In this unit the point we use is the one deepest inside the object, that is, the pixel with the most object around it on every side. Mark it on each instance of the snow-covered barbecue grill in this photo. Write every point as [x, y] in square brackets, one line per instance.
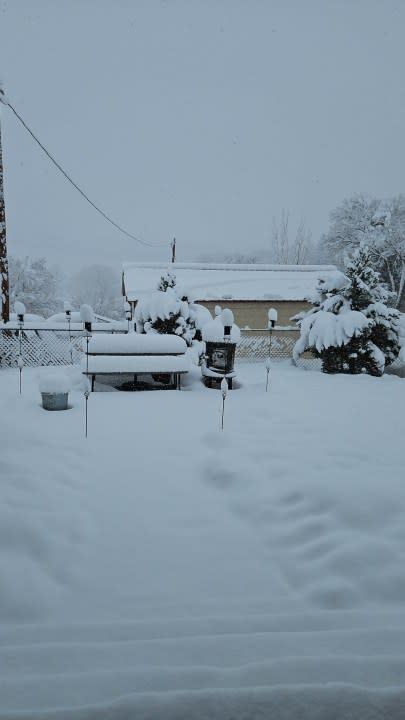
[221, 336]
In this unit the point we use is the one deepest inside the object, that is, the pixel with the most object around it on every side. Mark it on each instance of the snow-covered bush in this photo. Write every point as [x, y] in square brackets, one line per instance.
[171, 311]
[201, 316]
[352, 329]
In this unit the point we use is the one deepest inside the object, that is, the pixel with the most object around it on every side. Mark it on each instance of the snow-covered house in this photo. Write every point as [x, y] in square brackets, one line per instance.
[248, 290]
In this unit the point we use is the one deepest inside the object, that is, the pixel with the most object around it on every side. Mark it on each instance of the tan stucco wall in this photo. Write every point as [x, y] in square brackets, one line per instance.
[253, 313]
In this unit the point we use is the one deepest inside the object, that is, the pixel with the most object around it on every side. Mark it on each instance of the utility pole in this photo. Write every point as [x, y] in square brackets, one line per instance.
[173, 246]
[5, 290]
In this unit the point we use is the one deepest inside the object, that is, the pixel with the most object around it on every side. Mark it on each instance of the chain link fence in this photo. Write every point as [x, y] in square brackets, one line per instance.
[61, 347]
[255, 344]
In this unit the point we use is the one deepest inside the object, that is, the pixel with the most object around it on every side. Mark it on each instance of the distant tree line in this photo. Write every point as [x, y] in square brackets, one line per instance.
[43, 289]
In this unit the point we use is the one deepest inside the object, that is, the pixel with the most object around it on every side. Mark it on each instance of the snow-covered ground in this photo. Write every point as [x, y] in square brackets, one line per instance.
[165, 569]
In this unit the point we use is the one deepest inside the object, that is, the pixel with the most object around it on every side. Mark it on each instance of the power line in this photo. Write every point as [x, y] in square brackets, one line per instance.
[76, 186]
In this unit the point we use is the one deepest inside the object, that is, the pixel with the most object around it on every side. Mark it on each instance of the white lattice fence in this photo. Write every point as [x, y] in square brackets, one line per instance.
[44, 347]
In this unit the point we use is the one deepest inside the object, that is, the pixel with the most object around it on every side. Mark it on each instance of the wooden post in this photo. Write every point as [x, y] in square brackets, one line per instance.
[5, 289]
[173, 246]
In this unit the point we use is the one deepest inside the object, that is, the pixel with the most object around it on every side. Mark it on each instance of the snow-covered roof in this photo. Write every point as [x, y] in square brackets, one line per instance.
[212, 281]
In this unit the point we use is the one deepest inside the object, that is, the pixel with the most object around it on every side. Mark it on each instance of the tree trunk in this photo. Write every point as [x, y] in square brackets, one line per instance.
[390, 276]
[5, 299]
[400, 304]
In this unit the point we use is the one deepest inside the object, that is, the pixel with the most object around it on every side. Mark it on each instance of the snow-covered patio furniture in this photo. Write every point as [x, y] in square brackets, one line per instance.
[159, 357]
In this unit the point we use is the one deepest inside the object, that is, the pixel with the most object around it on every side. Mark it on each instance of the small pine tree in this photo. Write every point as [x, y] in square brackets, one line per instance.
[353, 329]
[166, 281]
[364, 283]
[173, 311]
[167, 326]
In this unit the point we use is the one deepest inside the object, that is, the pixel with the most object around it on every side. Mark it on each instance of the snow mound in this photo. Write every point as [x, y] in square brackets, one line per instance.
[54, 382]
[323, 329]
[136, 343]
[213, 331]
[331, 282]
[157, 305]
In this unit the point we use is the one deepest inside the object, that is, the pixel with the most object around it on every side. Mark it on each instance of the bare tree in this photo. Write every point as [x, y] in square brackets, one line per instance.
[288, 248]
[302, 245]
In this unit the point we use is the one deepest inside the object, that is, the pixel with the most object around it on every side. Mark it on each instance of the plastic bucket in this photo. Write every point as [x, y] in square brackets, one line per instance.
[55, 401]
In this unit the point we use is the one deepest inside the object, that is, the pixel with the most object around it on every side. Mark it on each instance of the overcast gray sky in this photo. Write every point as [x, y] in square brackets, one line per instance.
[199, 119]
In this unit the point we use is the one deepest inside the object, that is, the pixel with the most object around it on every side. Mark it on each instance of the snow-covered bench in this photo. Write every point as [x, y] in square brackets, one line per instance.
[160, 356]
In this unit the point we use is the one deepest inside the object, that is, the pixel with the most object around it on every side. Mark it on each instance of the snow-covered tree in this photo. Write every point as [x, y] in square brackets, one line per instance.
[171, 311]
[34, 284]
[378, 224]
[352, 329]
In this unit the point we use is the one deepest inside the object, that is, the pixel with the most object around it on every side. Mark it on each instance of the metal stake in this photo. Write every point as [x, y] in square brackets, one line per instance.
[20, 361]
[272, 315]
[224, 390]
[271, 335]
[70, 343]
[86, 395]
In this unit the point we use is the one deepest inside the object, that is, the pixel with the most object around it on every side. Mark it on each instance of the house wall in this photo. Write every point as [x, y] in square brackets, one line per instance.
[253, 313]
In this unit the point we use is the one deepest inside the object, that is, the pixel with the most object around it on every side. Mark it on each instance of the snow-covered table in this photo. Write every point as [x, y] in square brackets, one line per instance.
[161, 356]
